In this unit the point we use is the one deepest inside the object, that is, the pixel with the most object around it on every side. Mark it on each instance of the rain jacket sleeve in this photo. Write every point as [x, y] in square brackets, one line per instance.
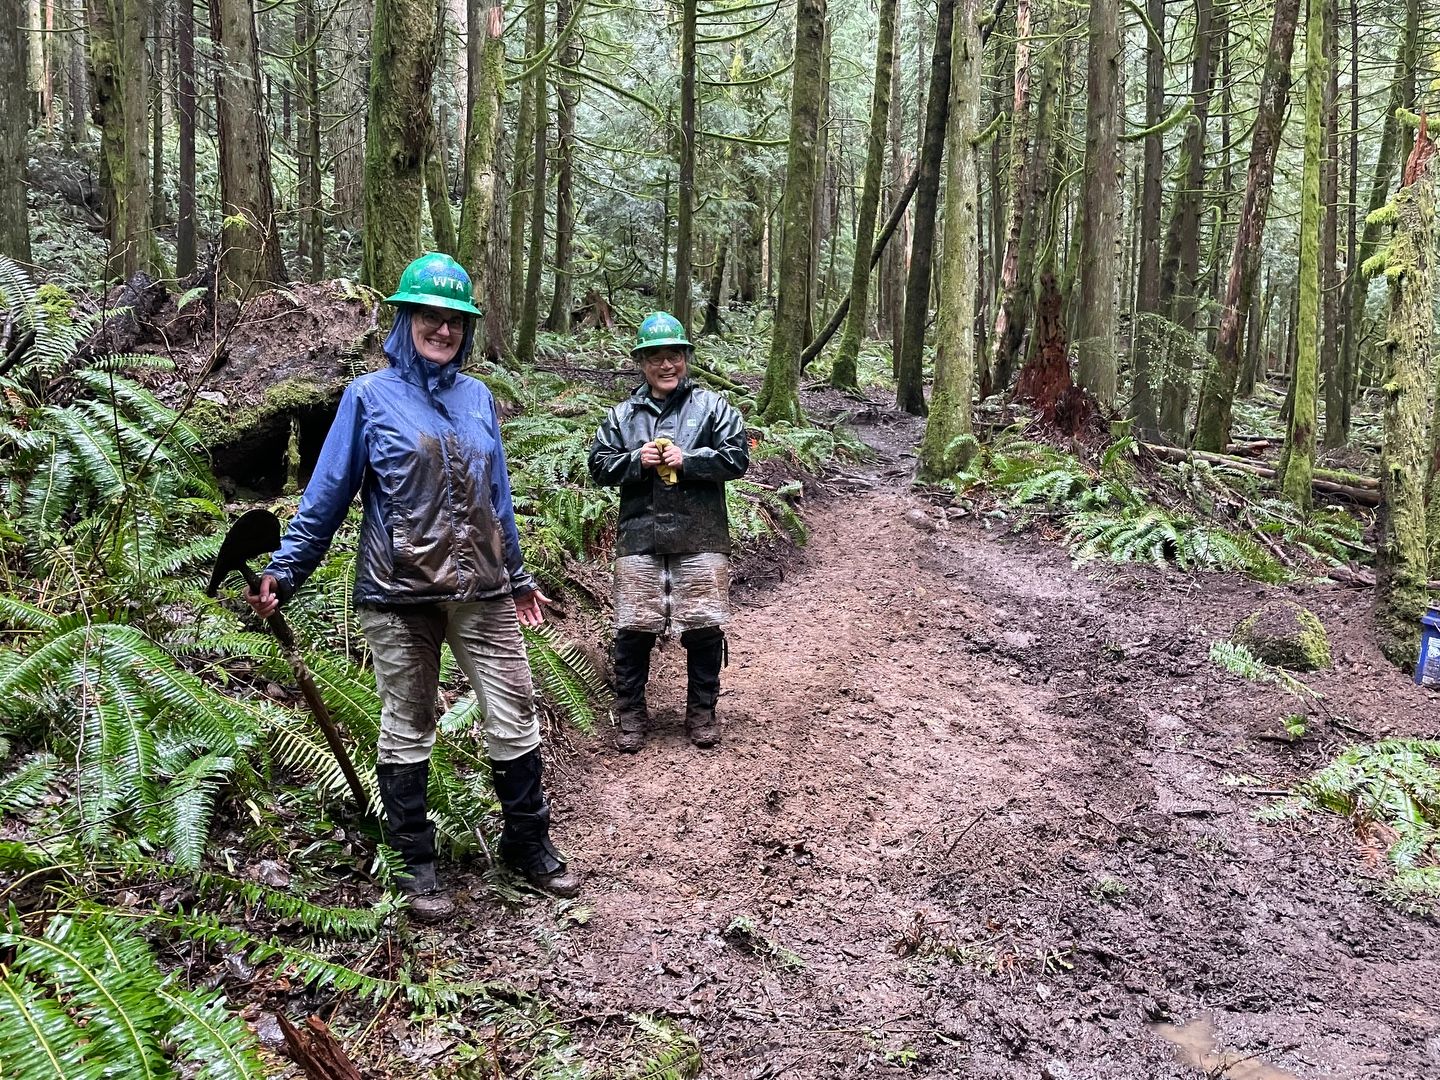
[332, 487]
[729, 457]
[503, 501]
[610, 462]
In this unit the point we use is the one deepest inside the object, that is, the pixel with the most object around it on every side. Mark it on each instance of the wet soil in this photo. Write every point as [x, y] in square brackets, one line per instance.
[971, 819]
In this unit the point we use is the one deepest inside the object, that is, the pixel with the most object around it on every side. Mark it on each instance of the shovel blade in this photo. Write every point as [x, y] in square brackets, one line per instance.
[256, 532]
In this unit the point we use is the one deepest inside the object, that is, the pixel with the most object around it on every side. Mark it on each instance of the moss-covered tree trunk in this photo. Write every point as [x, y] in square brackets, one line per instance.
[404, 45]
[1298, 459]
[313, 212]
[437, 195]
[482, 133]
[1357, 288]
[1330, 363]
[520, 196]
[715, 295]
[118, 75]
[779, 396]
[529, 320]
[910, 370]
[1180, 268]
[1403, 558]
[942, 449]
[1100, 216]
[14, 218]
[1147, 292]
[1009, 297]
[1217, 394]
[685, 195]
[842, 370]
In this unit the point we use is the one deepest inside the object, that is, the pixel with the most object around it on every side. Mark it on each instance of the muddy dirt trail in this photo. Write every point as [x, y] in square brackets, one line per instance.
[968, 820]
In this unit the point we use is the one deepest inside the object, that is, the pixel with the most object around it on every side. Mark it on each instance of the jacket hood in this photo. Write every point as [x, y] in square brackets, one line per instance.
[400, 350]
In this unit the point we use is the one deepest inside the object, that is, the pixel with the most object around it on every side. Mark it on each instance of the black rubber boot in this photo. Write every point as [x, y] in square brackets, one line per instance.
[704, 656]
[409, 831]
[632, 672]
[525, 841]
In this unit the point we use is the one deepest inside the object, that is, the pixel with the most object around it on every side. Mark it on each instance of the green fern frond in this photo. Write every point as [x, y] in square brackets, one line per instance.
[209, 1037]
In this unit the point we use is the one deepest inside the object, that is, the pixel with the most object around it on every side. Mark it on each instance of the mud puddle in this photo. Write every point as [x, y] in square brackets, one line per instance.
[1196, 1044]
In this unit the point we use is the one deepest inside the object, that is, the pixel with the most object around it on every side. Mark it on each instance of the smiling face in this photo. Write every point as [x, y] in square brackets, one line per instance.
[437, 333]
[663, 368]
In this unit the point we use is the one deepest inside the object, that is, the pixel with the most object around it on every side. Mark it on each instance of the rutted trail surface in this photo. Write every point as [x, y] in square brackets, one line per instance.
[972, 797]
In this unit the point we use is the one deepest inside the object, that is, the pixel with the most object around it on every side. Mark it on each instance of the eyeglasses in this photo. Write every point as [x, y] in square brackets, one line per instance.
[432, 320]
[656, 362]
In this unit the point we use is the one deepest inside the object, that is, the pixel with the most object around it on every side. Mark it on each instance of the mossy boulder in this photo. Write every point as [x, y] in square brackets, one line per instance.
[1286, 635]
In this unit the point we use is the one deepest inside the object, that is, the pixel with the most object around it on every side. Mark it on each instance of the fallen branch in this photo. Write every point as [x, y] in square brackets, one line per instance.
[317, 1052]
[842, 309]
[1359, 489]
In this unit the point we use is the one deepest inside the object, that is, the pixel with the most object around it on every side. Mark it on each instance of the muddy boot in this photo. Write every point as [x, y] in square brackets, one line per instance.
[525, 841]
[632, 672]
[704, 656]
[408, 831]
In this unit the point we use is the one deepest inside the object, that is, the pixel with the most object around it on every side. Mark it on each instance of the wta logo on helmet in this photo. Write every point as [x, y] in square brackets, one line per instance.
[658, 329]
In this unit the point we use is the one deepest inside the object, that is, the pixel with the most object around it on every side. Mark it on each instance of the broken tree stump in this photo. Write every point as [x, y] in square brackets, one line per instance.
[317, 1052]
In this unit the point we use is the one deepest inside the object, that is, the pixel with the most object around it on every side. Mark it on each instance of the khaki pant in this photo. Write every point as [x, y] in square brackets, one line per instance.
[485, 638]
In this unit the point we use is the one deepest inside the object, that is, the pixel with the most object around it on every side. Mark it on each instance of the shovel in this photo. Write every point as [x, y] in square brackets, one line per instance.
[258, 533]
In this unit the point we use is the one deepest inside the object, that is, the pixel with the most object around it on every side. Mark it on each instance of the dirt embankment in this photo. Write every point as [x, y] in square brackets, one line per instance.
[969, 821]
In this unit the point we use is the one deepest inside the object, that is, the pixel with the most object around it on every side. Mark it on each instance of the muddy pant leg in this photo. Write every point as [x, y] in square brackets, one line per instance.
[485, 638]
[406, 651]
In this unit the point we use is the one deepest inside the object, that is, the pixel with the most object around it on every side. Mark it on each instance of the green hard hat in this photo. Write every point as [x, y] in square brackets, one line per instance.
[438, 281]
[658, 329]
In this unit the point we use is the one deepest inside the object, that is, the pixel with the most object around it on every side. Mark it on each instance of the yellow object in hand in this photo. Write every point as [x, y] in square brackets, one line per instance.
[667, 474]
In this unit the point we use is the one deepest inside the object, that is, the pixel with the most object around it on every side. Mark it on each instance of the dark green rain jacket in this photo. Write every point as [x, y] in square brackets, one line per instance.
[657, 518]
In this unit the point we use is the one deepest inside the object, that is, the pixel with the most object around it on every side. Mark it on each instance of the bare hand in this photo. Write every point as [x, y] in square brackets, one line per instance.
[650, 455]
[267, 602]
[673, 456]
[529, 609]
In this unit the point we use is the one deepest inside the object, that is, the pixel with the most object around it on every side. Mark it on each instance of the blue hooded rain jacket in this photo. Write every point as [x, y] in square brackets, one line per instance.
[422, 446]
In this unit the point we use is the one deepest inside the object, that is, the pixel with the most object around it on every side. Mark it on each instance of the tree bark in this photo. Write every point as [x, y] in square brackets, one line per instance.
[521, 194]
[1330, 364]
[404, 47]
[485, 30]
[685, 196]
[910, 381]
[530, 302]
[567, 92]
[1406, 549]
[250, 254]
[157, 112]
[1402, 95]
[350, 49]
[1217, 395]
[892, 269]
[1009, 314]
[1298, 459]
[185, 102]
[715, 297]
[949, 420]
[118, 72]
[842, 369]
[14, 216]
[1179, 272]
[1100, 223]
[779, 397]
[1147, 298]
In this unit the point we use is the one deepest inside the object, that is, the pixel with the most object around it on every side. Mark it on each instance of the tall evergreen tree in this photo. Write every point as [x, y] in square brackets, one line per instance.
[842, 370]
[1298, 459]
[779, 396]
[14, 217]
[949, 419]
[1100, 214]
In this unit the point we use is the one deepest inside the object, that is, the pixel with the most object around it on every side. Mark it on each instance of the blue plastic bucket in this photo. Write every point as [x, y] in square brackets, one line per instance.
[1427, 668]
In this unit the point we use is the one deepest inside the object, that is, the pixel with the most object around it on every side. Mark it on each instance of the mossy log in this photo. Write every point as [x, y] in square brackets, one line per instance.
[1359, 489]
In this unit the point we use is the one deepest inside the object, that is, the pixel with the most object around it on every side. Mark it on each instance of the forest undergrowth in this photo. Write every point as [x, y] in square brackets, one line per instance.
[178, 852]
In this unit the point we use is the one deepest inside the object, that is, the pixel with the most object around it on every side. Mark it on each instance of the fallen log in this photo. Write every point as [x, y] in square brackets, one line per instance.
[1358, 489]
